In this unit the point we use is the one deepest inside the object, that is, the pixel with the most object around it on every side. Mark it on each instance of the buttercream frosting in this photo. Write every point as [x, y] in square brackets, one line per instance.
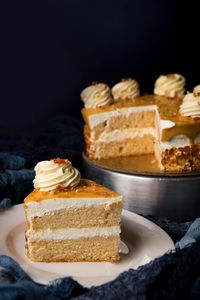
[171, 85]
[126, 89]
[96, 95]
[196, 90]
[190, 106]
[55, 173]
[74, 233]
[123, 134]
[96, 119]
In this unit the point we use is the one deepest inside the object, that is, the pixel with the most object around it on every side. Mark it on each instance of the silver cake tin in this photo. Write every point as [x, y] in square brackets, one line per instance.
[148, 191]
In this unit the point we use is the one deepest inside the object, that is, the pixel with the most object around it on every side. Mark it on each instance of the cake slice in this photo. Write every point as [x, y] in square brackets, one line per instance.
[121, 127]
[71, 219]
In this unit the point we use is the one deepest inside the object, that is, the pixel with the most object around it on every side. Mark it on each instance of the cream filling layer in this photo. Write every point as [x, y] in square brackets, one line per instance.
[98, 118]
[119, 135]
[49, 206]
[73, 233]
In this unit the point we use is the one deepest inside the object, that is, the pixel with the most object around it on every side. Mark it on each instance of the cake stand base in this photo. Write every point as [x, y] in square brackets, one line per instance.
[149, 192]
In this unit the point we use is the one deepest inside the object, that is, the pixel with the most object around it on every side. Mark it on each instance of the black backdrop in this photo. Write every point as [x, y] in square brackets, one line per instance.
[51, 50]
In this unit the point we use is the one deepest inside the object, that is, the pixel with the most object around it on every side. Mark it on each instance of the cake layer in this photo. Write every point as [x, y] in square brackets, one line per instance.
[134, 121]
[101, 215]
[37, 209]
[123, 113]
[138, 145]
[84, 249]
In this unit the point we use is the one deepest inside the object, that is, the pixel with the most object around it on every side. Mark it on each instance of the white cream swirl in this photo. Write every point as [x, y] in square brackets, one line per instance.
[196, 90]
[96, 95]
[56, 173]
[171, 85]
[190, 106]
[126, 89]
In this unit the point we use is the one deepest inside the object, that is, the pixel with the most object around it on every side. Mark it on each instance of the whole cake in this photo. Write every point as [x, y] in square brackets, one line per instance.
[119, 122]
[69, 218]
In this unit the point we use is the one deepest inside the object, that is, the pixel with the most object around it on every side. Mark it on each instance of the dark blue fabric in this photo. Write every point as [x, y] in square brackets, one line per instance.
[16, 284]
[8, 161]
[191, 236]
[175, 275]
[11, 177]
[176, 229]
[172, 276]
[61, 137]
[15, 180]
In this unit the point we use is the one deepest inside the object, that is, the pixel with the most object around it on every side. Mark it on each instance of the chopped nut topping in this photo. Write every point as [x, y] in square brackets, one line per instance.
[182, 159]
[171, 75]
[59, 160]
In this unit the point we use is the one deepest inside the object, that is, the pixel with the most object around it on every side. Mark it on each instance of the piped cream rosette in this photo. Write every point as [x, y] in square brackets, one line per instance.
[196, 90]
[96, 95]
[190, 106]
[171, 85]
[126, 89]
[55, 173]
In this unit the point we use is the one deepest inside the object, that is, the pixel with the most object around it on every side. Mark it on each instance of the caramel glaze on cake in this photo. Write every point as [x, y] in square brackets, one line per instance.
[86, 188]
[168, 110]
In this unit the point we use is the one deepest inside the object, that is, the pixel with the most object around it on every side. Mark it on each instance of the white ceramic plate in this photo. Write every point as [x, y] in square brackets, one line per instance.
[144, 239]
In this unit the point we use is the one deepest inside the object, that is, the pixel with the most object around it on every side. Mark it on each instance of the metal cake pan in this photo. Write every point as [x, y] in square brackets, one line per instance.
[148, 191]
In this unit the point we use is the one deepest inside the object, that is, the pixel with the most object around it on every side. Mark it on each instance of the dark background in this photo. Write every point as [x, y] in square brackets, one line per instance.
[51, 50]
